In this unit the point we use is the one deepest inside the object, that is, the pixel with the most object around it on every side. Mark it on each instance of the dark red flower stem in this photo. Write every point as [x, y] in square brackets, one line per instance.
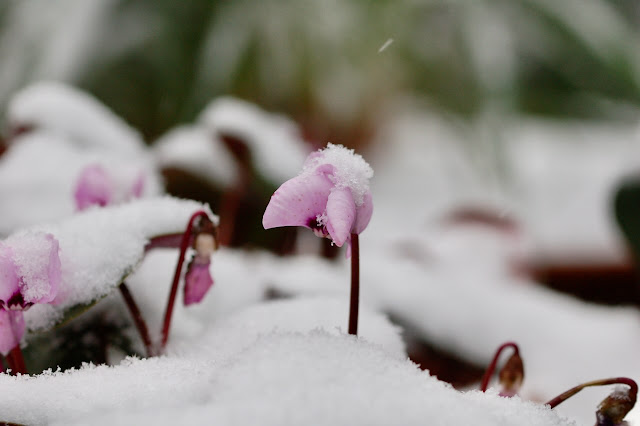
[613, 381]
[16, 361]
[138, 319]
[355, 285]
[184, 245]
[492, 367]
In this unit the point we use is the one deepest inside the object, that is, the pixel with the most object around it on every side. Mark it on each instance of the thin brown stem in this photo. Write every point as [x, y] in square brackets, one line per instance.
[184, 245]
[494, 362]
[138, 319]
[603, 382]
[355, 285]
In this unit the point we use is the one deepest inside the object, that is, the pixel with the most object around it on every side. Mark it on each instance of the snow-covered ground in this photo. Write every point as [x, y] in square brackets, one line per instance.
[237, 358]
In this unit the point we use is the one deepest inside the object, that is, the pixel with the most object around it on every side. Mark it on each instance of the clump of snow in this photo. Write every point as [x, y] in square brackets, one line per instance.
[193, 148]
[99, 247]
[267, 135]
[350, 170]
[39, 171]
[68, 112]
[281, 379]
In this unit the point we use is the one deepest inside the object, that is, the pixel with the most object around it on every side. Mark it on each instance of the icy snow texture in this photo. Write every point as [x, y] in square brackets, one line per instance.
[70, 113]
[194, 149]
[37, 261]
[100, 246]
[350, 169]
[268, 136]
[39, 172]
[279, 378]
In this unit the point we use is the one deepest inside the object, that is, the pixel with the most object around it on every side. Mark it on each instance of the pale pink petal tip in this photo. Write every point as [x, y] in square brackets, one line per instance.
[11, 330]
[198, 281]
[363, 214]
[297, 202]
[94, 187]
[341, 214]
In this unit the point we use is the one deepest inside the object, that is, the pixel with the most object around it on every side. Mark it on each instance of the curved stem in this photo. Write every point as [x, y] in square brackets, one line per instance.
[603, 382]
[355, 285]
[492, 366]
[138, 319]
[184, 245]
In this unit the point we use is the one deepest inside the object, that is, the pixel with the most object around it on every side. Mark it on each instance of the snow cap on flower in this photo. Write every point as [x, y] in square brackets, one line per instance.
[331, 196]
[36, 262]
[11, 330]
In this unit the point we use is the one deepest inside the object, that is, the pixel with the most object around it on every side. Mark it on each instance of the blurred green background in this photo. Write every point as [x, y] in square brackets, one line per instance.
[158, 63]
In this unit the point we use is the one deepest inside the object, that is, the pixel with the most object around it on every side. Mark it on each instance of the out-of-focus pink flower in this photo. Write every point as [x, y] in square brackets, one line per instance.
[30, 273]
[94, 187]
[331, 196]
[198, 278]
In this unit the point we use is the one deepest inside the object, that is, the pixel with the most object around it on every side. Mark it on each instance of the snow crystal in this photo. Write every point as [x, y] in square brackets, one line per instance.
[69, 112]
[350, 169]
[385, 45]
[194, 149]
[276, 146]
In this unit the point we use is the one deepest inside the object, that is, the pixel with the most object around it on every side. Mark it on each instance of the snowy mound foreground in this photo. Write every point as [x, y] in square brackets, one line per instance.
[280, 378]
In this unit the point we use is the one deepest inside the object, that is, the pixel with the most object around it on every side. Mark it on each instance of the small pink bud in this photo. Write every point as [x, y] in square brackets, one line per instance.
[198, 278]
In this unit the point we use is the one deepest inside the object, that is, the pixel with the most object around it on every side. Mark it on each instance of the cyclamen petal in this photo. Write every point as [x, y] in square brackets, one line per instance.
[11, 330]
[198, 281]
[341, 214]
[363, 214]
[94, 187]
[9, 284]
[298, 202]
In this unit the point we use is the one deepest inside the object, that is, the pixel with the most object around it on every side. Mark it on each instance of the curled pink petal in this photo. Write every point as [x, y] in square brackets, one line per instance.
[94, 187]
[341, 214]
[363, 214]
[298, 202]
[11, 330]
[198, 281]
[9, 284]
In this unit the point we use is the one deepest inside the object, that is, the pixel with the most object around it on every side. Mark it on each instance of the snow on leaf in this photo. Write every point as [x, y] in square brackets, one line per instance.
[100, 247]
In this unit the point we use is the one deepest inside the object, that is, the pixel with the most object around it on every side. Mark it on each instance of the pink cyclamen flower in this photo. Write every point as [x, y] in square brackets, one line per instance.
[95, 186]
[331, 196]
[198, 278]
[30, 273]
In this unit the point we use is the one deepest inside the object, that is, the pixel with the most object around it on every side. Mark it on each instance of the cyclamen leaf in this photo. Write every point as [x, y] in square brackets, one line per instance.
[100, 247]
